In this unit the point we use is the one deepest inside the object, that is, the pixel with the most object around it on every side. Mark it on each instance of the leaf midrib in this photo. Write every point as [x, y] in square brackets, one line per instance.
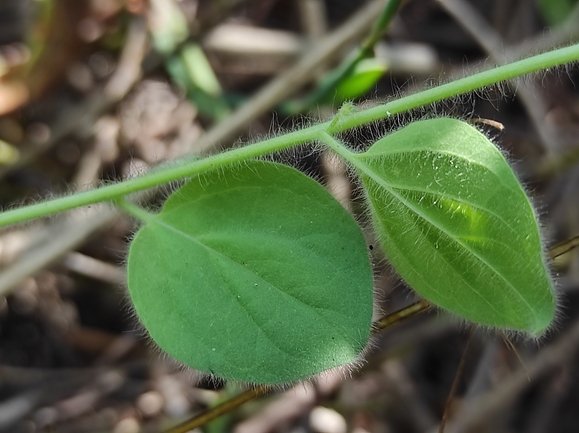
[386, 155]
[367, 170]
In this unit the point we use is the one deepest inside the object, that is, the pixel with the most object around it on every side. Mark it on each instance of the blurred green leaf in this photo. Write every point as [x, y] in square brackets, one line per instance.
[191, 71]
[8, 153]
[200, 71]
[364, 76]
[555, 12]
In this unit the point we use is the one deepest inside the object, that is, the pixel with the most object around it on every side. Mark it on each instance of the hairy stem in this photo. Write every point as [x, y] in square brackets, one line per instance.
[189, 168]
[133, 210]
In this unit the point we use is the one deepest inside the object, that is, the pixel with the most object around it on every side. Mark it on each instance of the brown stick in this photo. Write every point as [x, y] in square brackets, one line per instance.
[221, 409]
[454, 385]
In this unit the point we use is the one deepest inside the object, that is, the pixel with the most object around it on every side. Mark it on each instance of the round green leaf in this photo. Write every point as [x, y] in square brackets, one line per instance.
[457, 225]
[254, 274]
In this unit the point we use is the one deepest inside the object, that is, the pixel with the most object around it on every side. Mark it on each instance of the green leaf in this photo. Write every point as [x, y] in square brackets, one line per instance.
[254, 274]
[8, 153]
[456, 224]
[192, 72]
[556, 12]
[364, 76]
[200, 70]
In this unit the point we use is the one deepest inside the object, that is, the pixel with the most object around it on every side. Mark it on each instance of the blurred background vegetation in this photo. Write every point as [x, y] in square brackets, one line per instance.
[95, 91]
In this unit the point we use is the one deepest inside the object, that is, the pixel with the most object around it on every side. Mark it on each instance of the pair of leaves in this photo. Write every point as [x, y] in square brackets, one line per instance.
[258, 274]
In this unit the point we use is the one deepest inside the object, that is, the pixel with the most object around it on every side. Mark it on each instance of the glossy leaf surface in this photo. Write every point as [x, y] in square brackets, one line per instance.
[457, 225]
[254, 274]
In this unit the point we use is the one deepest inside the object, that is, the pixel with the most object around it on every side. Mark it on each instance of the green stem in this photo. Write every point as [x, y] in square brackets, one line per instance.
[133, 209]
[187, 168]
[337, 147]
[461, 86]
[349, 156]
[165, 174]
[381, 25]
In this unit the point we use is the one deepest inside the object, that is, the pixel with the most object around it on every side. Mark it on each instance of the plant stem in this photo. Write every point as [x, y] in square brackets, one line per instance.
[461, 86]
[168, 173]
[187, 168]
[133, 210]
[337, 146]
[381, 25]
[221, 409]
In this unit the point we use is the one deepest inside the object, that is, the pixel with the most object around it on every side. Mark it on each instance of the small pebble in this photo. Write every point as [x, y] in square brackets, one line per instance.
[324, 420]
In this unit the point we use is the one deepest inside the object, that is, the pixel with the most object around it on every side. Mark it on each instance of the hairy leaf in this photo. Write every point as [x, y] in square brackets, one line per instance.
[457, 225]
[256, 274]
